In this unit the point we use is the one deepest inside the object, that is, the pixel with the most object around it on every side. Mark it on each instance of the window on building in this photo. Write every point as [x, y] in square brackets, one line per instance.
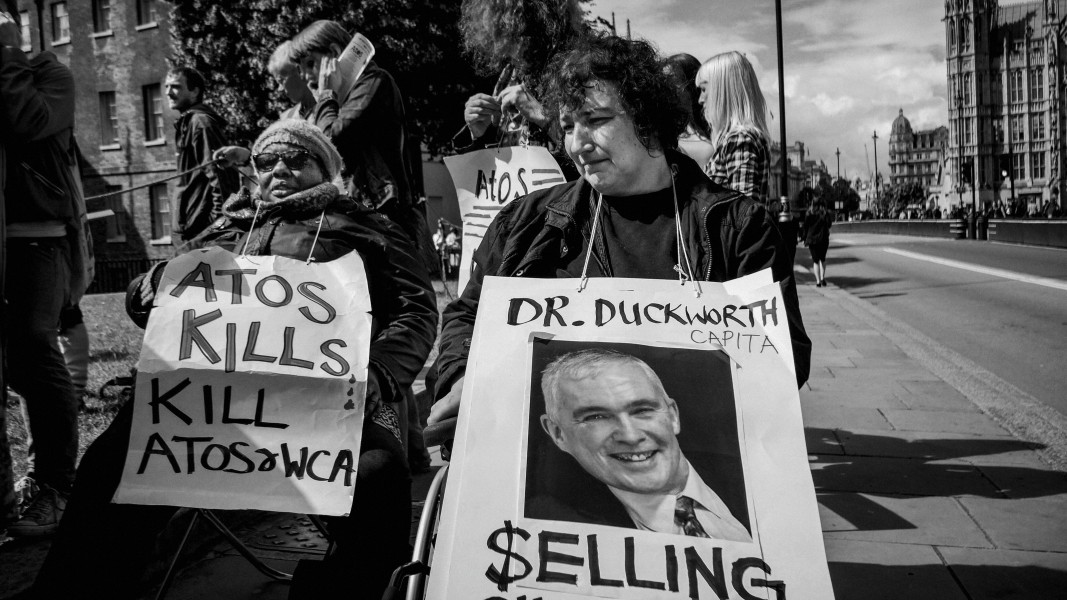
[1018, 166]
[968, 131]
[101, 16]
[967, 89]
[998, 131]
[951, 40]
[24, 30]
[60, 23]
[1037, 83]
[159, 206]
[1037, 126]
[965, 35]
[1017, 129]
[1015, 85]
[146, 12]
[115, 225]
[1037, 165]
[1017, 47]
[109, 119]
[1037, 54]
[153, 112]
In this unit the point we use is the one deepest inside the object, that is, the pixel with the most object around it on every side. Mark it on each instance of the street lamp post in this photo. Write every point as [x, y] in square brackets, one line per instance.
[838, 153]
[876, 186]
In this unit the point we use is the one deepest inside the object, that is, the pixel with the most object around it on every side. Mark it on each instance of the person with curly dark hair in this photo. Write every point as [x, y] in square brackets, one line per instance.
[515, 38]
[642, 209]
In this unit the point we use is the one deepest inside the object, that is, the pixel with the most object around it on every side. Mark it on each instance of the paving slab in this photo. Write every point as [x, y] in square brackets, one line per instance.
[870, 571]
[1022, 524]
[946, 421]
[902, 361]
[228, 576]
[872, 399]
[838, 417]
[932, 445]
[898, 520]
[913, 477]
[855, 386]
[899, 374]
[1008, 574]
[831, 358]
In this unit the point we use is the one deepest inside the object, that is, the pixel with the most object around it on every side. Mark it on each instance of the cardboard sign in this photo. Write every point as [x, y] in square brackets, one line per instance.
[250, 385]
[487, 180]
[631, 440]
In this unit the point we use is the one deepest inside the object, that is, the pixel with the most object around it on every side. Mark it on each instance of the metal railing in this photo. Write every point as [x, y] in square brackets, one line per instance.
[114, 274]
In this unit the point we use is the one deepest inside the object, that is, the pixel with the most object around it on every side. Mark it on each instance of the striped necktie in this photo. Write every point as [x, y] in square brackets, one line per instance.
[685, 516]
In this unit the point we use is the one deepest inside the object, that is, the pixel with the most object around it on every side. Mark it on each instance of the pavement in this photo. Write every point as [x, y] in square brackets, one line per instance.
[925, 492]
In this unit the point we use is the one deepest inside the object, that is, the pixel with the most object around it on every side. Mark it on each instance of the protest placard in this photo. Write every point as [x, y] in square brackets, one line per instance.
[487, 180]
[250, 385]
[631, 440]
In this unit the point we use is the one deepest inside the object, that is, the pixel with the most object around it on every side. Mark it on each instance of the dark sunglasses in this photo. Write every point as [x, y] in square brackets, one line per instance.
[294, 159]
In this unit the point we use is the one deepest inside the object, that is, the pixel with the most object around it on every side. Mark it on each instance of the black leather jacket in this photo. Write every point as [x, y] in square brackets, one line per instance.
[728, 235]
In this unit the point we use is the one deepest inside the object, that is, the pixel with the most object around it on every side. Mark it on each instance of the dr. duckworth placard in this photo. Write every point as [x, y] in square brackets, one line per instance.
[250, 385]
[632, 440]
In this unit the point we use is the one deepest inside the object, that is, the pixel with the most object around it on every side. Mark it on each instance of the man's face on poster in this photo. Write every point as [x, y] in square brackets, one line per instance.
[620, 427]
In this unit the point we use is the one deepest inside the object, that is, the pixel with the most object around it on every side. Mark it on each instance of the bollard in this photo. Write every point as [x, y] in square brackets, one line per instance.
[982, 227]
[972, 227]
[958, 228]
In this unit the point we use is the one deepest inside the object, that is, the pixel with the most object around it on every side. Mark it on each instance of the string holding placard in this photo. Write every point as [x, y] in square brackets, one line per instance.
[682, 251]
[251, 228]
[315, 241]
[592, 236]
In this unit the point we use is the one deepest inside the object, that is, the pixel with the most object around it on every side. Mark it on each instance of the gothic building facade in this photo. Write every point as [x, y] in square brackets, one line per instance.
[1005, 104]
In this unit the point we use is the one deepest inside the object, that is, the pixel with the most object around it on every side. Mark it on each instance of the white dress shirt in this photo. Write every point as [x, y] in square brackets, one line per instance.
[653, 512]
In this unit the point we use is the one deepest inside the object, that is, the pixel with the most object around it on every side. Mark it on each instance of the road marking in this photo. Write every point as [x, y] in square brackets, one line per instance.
[1043, 281]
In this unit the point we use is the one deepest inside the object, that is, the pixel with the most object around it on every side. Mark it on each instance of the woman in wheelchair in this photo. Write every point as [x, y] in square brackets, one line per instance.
[105, 548]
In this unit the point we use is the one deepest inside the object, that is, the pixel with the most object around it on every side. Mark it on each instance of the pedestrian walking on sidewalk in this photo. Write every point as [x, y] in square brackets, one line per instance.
[817, 225]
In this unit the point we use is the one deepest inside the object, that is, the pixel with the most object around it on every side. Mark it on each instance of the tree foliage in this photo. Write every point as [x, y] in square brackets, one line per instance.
[415, 40]
[897, 197]
[840, 192]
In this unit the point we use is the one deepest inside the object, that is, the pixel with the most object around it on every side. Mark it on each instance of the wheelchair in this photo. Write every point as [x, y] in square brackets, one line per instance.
[409, 580]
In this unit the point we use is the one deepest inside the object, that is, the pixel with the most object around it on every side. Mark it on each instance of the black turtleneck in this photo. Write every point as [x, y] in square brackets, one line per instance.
[636, 239]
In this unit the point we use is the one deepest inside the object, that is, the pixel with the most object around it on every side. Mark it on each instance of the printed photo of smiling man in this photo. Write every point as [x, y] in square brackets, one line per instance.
[632, 436]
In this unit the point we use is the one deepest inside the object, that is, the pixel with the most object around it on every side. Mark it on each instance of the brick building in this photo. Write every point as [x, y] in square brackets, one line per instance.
[118, 53]
[916, 156]
[1006, 108]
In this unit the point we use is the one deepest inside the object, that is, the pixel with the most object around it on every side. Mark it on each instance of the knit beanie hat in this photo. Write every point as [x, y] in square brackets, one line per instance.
[304, 135]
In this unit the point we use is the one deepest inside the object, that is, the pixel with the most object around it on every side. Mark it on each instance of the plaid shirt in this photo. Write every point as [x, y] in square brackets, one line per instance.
[741, 162]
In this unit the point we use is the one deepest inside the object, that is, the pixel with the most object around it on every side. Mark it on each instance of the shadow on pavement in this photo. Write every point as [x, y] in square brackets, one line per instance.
[856, 581]
[887, 465]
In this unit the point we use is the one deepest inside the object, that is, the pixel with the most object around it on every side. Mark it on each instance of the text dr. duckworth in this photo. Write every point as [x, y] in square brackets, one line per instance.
[610, 412]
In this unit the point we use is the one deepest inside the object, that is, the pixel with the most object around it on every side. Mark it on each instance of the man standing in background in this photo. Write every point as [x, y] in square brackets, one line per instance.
[198, 133]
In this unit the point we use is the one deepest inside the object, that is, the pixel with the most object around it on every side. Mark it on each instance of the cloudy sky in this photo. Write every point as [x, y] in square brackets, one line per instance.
[850, 65]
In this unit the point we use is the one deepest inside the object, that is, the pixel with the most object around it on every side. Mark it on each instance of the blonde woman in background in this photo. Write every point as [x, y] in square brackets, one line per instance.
[736, 114]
